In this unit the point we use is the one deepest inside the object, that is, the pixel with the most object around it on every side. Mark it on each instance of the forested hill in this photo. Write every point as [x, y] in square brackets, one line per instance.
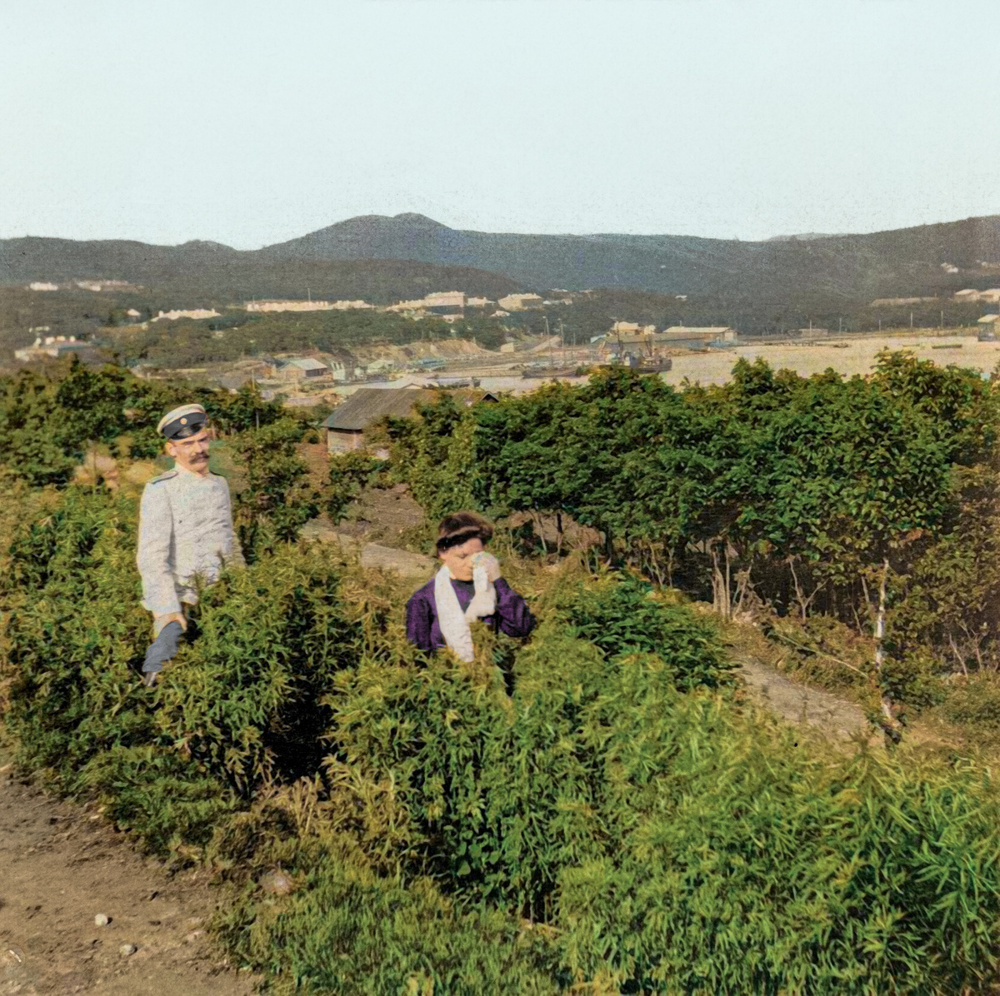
[217, 274]
[383, 258]
[904, 262]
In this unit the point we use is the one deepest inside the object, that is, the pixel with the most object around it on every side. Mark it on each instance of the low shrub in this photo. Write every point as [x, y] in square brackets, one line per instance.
[348, 931]
[617, 822]
[238, 707]
[621, 615]
[975, 702]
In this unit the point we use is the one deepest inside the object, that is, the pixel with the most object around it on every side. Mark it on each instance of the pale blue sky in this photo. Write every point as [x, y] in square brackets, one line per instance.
[250, 123]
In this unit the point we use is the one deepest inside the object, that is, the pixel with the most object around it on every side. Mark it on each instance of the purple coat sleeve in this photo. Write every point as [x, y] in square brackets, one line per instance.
[512, 615]
[420, 618]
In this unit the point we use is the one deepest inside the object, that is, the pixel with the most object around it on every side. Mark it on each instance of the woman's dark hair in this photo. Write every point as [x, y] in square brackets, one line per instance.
[458, 528]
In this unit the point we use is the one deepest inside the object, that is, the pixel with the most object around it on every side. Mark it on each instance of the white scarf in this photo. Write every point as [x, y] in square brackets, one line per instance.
[453, 621]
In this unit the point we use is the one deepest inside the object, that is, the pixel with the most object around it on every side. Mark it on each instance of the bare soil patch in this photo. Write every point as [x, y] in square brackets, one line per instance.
[848, 355]
[794, 702]
[383, 516]
[60, 867]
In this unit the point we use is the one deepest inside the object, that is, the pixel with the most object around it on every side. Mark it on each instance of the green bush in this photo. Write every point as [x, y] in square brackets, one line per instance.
[975, 702]
[348, 931]
[238, 707]
[349, 473]
[753, 869]
[617, 823]
[622, 616]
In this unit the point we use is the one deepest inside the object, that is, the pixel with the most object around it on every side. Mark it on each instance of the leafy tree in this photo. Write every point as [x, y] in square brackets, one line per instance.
[278, 499]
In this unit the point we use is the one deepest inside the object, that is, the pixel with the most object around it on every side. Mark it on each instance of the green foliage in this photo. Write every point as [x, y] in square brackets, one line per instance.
[976, 703]
[805, 492]
[607, 816]
[238, 707]
[755, 870]
[186, 343]
[615, 823]
[351, 932]
[914, 679]
[46, 423]
[436, 454]
[278, 500]
[349, 473]
[622, 617]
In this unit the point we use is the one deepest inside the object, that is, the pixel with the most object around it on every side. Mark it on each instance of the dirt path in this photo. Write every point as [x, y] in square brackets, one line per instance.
[59, 868]
[796, 703]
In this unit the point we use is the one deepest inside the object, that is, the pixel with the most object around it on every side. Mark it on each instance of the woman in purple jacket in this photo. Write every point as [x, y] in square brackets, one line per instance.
[467, 587]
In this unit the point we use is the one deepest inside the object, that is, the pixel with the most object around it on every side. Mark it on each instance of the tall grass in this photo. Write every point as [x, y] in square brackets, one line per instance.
[606, 817]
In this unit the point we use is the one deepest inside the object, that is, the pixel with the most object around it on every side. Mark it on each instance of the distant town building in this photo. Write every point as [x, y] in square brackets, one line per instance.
[304, 368]
[520, 302]
[102, 285]
[195, 313]
[991, 295]
[53, 346]
[41, 285]
[721, 333]
[892, 302]
[306, 305]
[446, 302]
[632, 328]
[450, 304]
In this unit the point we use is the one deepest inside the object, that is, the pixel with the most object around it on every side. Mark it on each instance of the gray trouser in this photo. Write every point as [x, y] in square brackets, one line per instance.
[163, 648]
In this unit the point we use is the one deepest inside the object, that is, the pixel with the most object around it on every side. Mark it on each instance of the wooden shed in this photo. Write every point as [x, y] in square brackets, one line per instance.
[345, 426]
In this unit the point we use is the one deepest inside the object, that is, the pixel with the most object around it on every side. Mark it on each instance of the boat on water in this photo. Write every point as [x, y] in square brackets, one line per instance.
[661, 365]
[650, 366]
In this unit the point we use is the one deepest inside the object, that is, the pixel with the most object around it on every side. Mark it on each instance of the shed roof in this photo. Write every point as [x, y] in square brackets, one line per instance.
[306, 363]
[369, 404]
[687, 330]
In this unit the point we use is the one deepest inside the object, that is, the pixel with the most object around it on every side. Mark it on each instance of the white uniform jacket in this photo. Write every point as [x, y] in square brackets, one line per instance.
[185, 529]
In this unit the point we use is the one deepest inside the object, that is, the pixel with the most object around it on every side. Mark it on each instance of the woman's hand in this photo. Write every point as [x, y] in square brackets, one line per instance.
[489, 563]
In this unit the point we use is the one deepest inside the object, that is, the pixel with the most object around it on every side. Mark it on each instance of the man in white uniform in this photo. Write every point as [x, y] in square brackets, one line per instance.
[185, 523]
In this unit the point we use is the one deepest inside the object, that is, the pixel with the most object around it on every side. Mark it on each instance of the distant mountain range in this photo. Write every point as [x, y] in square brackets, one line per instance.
[930, 259]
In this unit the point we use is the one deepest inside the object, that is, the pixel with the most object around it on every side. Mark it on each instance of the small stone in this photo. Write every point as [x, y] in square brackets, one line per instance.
[194, 935]
[128, 949]
[278, 883]
[102, 920]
